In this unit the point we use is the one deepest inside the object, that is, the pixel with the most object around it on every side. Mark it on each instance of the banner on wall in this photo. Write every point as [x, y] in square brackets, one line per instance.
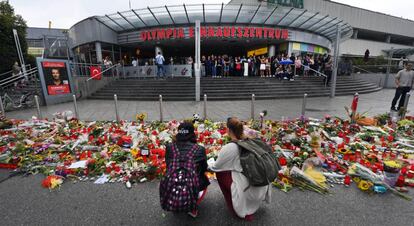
[56, 78]
[257, 52]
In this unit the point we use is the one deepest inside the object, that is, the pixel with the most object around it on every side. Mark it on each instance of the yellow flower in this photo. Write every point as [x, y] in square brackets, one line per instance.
[285, 180]
[364, 185]
[392, 164]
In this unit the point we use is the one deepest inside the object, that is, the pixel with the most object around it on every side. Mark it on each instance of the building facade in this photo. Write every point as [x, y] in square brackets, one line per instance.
[239, 28]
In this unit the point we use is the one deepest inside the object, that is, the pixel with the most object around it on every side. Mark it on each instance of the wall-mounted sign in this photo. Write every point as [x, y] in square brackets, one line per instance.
[215, 32]
[257, 52]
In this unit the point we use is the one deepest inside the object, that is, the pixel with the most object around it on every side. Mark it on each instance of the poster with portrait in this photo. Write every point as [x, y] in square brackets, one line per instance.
[56, 78]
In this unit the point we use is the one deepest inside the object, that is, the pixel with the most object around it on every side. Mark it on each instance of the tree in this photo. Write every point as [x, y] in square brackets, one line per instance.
[8, 22]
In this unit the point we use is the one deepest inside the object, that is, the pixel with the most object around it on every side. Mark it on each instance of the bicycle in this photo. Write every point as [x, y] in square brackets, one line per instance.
[26, 100]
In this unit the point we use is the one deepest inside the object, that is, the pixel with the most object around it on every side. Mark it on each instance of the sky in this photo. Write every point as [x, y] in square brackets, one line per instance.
[65, 13]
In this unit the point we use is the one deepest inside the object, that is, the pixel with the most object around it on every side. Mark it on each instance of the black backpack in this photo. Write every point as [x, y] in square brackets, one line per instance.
[259, 164]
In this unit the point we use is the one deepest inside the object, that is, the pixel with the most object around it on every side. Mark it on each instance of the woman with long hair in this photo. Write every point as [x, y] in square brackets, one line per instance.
[184, 157]
[242, 199]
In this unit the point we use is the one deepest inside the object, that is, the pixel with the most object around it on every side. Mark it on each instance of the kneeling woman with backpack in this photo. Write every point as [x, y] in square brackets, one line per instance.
[185, 182]
[242, 194]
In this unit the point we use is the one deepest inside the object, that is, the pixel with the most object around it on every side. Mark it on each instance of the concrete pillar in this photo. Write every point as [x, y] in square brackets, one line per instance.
[271, 50]
[98, 50]
[158, 49]
[388, 39]
[355, 34]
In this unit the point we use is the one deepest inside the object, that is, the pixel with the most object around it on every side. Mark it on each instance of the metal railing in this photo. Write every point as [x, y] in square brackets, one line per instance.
[92, 85]
[318, 73]
[30, 74]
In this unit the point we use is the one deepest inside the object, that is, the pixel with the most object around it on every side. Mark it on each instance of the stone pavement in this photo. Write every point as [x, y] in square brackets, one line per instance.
[25, 202]
[90, 110]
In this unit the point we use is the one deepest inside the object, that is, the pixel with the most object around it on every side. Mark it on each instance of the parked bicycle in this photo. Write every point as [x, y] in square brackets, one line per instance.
[26, 100]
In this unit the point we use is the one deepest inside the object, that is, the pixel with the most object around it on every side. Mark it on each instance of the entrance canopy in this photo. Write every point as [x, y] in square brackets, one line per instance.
[262, 14]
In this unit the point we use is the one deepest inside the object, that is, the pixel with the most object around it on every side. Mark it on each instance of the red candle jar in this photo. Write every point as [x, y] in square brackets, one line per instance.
[347, 180]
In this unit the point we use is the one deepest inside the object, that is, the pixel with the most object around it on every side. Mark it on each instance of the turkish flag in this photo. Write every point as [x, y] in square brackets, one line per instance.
[96, 72]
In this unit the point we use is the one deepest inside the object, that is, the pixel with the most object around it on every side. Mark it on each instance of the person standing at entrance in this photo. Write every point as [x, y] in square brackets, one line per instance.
[159, 60]
[404, 82]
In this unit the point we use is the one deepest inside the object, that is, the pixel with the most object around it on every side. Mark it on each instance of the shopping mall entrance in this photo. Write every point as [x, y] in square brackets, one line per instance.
[181, 50]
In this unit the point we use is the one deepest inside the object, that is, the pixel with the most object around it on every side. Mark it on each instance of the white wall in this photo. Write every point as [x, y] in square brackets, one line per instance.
[361, 18]
[358, 47]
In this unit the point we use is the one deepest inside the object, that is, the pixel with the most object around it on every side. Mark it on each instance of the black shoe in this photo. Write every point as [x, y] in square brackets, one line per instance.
[393, 109]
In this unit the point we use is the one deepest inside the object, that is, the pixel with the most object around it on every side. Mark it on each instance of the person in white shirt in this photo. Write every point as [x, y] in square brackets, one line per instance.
[159, 60]
[404, 81]
[134, 62]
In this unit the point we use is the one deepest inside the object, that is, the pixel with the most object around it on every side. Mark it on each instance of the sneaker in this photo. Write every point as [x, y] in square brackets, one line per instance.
[193, 213]
[393, 109]
[291, 79]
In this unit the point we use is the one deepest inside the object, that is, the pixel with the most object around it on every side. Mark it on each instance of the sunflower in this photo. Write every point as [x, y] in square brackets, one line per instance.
[364, 185]
[285, 180]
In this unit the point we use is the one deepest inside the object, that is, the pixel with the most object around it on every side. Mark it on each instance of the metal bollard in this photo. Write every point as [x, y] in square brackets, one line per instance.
[116, 107]
[252, 107]
[407, 98]
[3, 112]
[205, 106]
[161, 115]
[75, 104]
[305, 96]
[39, 113]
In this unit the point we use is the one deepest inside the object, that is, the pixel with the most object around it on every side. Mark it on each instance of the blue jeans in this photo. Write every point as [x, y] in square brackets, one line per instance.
[160, 69]
[213, 71]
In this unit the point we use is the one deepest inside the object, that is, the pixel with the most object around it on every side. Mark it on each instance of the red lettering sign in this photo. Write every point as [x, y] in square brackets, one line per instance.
[215, 32]
[143, 36]
[252, 32]
[271, 33]
[246, 32]
[239, 32]
[181, 33]
[160, 34]
[259, 32]
[219, 32]
[210, 32]
[53, 64]
[191, 32]
[203, 32]
[226, 32]
[169, 33]
[277, 33]
[285, 34]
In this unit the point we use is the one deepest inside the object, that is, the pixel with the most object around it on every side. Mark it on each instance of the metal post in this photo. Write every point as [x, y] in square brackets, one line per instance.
[75, 104]
[19, 51]
[390, 54]
[161, 114]
[205, 106]
[252, 107]
[116, 107]
[3, 112]
[335, 67]
[197, 69]
[39, 113]
[407, 98]
[305, 96]
[87, 88]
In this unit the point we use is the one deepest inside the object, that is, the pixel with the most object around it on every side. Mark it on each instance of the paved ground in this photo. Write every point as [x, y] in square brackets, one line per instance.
[374, 103]
[25, 202]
